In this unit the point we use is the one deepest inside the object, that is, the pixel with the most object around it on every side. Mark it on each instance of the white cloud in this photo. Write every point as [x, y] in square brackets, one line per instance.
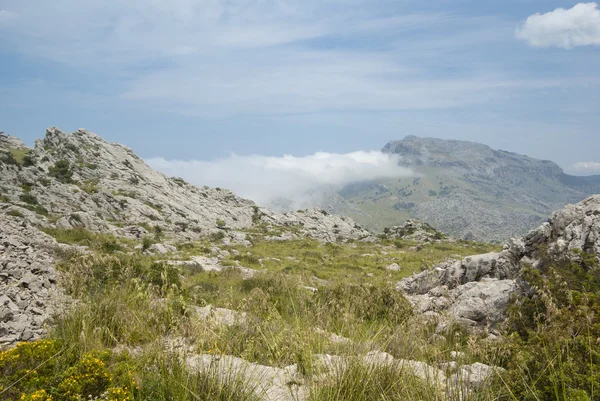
[7, 16]
[564, 28]
[587, 167]
[266, 179]
[216, 58]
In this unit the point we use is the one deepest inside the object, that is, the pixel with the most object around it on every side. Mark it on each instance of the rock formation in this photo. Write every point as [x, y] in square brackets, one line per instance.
[475, 291]
[414, 230]
[29, 296]
[80, 180]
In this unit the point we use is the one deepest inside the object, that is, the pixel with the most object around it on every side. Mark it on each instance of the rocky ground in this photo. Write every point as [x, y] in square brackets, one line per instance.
[475, 291]
[79, 180]
[29, 295]
[227, 267]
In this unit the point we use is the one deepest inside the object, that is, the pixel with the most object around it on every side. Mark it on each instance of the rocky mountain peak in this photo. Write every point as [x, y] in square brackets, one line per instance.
[10, 142]
[80, 180]
[468, 157]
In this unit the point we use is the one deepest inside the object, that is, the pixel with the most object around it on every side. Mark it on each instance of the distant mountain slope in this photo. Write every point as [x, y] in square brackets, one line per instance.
[468, 190]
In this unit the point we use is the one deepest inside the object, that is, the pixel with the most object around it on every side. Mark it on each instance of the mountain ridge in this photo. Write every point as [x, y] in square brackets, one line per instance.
[467, 189]
[80, 180]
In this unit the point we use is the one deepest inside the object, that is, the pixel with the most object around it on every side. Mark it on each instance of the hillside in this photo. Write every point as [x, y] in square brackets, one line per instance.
[78, 180]
[120, 284]
[467, 190]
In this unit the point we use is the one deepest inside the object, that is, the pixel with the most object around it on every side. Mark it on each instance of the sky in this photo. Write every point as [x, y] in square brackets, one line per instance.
[202, 84]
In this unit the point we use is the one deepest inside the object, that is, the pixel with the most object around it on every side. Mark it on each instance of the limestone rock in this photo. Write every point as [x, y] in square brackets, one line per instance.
[100, 186]
[29, 296]
[220, 316]
[414, 230]
[475, 291]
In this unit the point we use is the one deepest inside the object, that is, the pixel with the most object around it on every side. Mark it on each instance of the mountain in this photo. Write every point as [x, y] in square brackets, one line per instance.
[79, 180]
[467, 190]
[117, 282]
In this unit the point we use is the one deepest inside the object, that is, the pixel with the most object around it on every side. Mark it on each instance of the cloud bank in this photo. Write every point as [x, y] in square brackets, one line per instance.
[563, 28]
[267, 179]
[587, 167]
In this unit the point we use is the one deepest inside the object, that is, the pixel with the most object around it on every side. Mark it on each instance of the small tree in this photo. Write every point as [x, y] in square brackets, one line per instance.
[62, 171]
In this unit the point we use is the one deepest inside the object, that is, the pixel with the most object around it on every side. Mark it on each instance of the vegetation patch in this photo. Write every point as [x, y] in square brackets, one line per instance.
[61, 171]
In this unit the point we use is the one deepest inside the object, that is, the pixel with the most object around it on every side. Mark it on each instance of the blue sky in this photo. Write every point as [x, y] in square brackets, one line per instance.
[185, 79]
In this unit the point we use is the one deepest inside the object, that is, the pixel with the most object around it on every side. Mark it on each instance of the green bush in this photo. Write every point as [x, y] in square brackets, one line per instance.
[217, 236]
[14, 213]
[554, 352]
[49, 370]
[62, 171]
[28, 198]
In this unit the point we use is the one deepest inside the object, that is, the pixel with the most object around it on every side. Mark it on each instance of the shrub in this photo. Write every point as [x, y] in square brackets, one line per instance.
[146, 243]
[220, 223]
[158, 233]
[217, 236]
[90, 186]
[554, 352]
[14, 213]
[48, 370]
[28, 198]
[61, 171]
[28, 161]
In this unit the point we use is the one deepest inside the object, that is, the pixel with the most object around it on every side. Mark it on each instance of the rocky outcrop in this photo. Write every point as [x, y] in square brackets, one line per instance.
[288, 384]
[413, 230]
[80, 180]
[475, 291]
[10, 142]
[29, 296]
[318, 224]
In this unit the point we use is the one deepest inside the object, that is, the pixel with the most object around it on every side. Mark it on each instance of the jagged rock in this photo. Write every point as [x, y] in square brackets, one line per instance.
[318, 224]
[475, 291]
[29, 295]
[161, 249]
[135, 232]
[208, 264]
[475, 376]
[10, 142]
[93, 184]
[414, 230]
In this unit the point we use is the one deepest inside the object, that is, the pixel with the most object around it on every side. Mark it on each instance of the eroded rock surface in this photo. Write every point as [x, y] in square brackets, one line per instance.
[85, 182]
[29, 296]
[475, 291]
[414, 230]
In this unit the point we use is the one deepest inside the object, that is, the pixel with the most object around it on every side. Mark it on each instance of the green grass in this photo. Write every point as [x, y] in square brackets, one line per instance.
[352, 261]
[19, 154]
[133, 302]
[79, 236]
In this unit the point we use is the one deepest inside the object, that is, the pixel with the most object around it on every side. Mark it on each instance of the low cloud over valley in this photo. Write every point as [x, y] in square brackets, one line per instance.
[269, 179]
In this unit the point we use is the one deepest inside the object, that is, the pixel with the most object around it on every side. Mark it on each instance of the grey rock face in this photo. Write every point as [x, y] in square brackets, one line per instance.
[10, 142]
[90, 183]
[475, 291]
[318, 224]
[29, 296]
[413, 230]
